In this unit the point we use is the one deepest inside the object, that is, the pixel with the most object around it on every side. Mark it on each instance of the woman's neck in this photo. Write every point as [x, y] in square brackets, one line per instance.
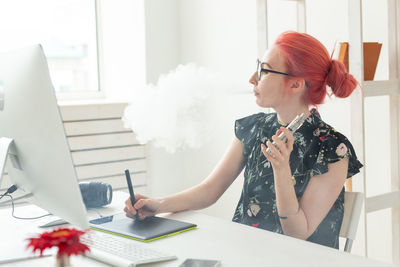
[286, 115]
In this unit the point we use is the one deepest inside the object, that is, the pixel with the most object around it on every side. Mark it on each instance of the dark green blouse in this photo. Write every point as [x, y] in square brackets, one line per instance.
[316, 144]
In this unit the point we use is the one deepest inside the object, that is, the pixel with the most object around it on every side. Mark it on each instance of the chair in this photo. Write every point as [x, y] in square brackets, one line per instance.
[352, 209]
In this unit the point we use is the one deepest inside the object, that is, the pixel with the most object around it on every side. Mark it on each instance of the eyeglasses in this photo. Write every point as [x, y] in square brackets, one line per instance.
[260, 70]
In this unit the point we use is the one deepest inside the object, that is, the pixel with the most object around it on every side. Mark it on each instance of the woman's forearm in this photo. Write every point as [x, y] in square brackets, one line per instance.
[295, 222]
[197, 197]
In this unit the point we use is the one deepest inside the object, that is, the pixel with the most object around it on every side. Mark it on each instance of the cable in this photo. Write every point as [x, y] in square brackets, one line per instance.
[10, 190]
[24, 218]
[8, 193]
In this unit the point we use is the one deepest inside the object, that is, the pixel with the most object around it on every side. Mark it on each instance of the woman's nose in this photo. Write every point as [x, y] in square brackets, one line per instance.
[253, 79]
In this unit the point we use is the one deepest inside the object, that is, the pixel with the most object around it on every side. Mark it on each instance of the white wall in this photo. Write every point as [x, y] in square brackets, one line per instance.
[223, 42]
[162, 37]
[221, 36]
[122, 52]
[162, 55]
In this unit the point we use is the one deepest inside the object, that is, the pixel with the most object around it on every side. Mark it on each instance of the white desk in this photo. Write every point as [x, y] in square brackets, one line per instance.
[232, 243]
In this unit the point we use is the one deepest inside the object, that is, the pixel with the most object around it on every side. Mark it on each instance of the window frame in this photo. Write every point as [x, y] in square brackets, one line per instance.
[100, 92]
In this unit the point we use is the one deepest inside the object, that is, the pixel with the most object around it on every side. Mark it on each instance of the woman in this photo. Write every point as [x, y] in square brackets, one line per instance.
[298, 191]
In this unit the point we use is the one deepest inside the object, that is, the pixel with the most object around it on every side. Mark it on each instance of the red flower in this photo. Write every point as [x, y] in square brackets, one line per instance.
[255, 224]
[322, 138]
[67, 241]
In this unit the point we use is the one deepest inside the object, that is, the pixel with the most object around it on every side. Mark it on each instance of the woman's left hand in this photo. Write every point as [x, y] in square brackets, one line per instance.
[281, 153]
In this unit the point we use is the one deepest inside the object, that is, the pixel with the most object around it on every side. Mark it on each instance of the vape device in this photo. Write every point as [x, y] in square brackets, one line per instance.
[292, 127]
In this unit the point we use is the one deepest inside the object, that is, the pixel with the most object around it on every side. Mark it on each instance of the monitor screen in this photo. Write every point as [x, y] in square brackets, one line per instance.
[39, 160]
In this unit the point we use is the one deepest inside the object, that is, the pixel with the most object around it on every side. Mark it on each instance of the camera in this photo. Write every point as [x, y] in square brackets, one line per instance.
[96, 194]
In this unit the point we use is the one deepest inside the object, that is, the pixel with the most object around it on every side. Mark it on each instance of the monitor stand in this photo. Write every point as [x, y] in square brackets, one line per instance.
[5, 144]
[7, 150]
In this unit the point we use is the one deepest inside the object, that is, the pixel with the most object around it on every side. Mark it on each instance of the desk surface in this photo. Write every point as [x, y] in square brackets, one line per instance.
[231, 243]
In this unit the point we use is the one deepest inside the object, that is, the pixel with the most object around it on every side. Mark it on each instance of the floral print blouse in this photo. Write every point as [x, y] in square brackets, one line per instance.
[316, 144]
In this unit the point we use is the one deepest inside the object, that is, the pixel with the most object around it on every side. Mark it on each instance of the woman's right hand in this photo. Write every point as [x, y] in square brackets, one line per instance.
[144, 207]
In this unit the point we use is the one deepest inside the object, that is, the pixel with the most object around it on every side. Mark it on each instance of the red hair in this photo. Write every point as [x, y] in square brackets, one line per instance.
[307, 58]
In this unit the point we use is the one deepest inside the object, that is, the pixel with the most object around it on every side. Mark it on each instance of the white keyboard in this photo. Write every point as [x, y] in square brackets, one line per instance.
[121, 251]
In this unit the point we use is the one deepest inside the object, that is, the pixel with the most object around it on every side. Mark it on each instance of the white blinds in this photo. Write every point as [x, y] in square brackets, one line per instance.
[101, 147]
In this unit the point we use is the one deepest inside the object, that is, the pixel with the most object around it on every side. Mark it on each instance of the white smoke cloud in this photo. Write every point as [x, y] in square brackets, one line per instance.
[181, 111]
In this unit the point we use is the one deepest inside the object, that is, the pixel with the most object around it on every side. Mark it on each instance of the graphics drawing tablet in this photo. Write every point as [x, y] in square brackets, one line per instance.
[149, 229]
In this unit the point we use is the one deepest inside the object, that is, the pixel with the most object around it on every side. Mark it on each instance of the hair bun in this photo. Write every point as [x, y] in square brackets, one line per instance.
[341, 82]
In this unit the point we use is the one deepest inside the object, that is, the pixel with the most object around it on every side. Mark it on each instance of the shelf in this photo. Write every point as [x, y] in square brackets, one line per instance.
[380, 88]
[383, 201]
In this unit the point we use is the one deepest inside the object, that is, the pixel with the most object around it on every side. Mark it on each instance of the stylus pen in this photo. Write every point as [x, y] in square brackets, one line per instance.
[130, 188]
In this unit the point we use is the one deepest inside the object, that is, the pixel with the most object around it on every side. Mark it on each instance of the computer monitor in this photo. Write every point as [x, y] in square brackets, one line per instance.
[39, 161]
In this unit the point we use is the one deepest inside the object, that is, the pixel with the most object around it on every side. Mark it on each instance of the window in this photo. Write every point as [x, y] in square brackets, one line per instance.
[67, 31]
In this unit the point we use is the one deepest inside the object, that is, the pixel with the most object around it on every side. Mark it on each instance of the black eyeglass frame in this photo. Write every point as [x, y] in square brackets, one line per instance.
[260, 70]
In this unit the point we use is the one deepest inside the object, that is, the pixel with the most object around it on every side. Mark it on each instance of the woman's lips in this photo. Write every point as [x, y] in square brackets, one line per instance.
[255, 93]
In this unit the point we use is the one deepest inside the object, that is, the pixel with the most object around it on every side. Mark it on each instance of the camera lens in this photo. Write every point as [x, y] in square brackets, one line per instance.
[96, 194]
